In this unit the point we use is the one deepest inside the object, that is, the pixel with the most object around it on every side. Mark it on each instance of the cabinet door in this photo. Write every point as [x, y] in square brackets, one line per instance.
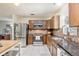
[48, 24]
[74, 14]
[56, 22]
[30, 39]
[54, 51]
[51, 22]
[45, 39]
[30, 24]
[44, 24]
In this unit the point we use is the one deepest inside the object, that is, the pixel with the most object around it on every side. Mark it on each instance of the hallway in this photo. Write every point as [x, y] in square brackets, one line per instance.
[34, 50]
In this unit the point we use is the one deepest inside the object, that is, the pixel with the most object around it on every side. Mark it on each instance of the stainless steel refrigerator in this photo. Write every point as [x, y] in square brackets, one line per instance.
[21, 31]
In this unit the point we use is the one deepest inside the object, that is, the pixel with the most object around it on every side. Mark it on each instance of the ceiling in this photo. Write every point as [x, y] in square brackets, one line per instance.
[25, 9]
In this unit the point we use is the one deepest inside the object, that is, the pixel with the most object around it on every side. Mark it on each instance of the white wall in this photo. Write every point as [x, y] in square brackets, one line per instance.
[3, 22]
[3, 26]
[64, 13]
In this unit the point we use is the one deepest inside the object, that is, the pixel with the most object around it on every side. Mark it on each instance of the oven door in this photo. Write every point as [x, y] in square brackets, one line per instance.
[38, 39]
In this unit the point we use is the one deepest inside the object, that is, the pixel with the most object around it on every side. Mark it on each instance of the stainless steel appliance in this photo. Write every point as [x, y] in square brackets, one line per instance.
[21, 32]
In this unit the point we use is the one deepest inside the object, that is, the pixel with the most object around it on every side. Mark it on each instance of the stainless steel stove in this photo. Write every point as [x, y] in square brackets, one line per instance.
[38, 40]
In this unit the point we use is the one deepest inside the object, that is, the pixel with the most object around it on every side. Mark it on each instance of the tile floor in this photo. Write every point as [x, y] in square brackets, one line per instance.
[33, 50]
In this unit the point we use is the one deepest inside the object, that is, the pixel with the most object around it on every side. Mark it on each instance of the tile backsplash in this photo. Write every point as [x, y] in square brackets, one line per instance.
[73, 31]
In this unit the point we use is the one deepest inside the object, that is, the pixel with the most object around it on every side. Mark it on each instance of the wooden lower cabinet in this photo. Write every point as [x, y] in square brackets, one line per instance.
[52, 46]
[30, 39]
[45, 39]
[49, 43]
[54, 51]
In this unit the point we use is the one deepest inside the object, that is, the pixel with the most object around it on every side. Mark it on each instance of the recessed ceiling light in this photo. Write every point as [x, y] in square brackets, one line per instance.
[59, 4]
[17, 4]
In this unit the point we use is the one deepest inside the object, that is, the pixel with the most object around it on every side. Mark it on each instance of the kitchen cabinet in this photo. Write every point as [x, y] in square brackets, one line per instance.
[45, 39]
[44, 24]
[54, 51]
[52, 23]
[48, 40]
[74, 14]
[54, 48]
[30, 39]
[37, 24]
[55, 22]
[48, 24]
[30, 24]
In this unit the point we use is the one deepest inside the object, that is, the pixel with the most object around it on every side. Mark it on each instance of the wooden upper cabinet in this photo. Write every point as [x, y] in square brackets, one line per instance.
[51, 23]
[30, 24]
[37, 24]
[74, 14]
[44, 24]
[55, 22]
[48, 24]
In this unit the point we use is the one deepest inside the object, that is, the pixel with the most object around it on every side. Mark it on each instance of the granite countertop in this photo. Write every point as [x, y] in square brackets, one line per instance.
[64, 35]
[72, 48]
